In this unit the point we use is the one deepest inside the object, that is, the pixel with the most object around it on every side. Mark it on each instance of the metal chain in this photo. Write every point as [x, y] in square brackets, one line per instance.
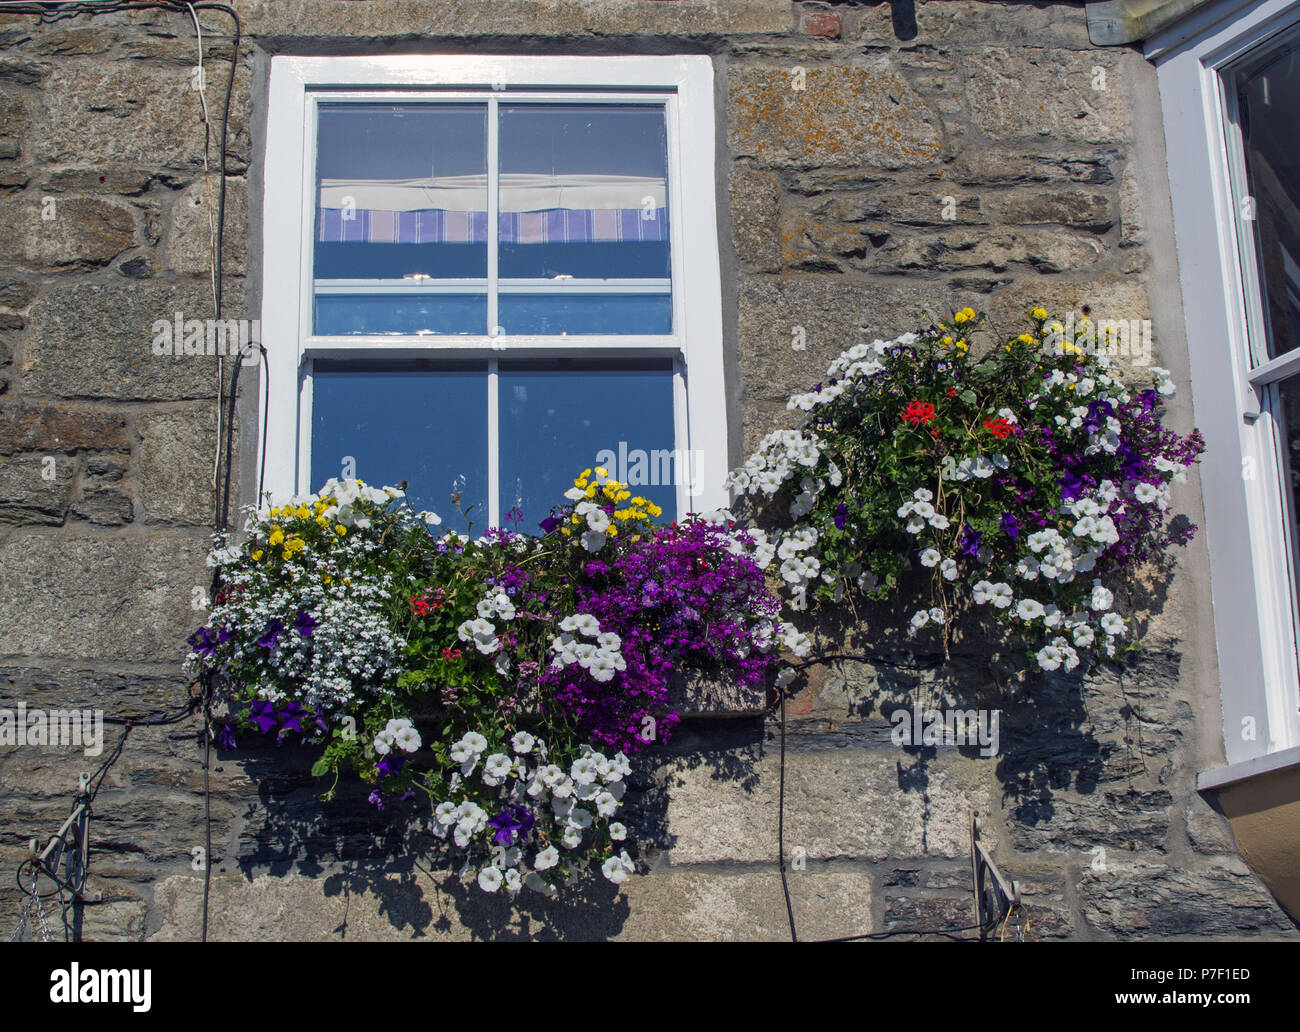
[25, 918]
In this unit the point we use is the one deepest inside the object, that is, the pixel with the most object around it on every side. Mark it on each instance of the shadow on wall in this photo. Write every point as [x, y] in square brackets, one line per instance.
[393, 857]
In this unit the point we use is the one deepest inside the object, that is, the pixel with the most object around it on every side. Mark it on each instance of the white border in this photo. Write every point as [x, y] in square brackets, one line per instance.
[1243, 517]
[696, 342]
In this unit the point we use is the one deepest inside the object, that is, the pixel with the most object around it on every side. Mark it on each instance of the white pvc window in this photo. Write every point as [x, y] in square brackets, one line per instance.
[484, 274]
[1230, 90]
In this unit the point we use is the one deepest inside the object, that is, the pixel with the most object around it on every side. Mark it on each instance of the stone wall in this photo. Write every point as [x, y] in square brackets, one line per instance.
[992, 158]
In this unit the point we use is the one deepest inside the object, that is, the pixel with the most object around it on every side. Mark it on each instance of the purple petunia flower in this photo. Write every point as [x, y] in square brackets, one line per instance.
[1010, 525]
[226, 736]
[203, 642]
[263, 715]
[391, 764]
[549, 524]
[1072, 486]
[841, 516]
[969, 542]
[304, 623]
[291, 719]
[376, 797]
[511, 822]
[271, 638]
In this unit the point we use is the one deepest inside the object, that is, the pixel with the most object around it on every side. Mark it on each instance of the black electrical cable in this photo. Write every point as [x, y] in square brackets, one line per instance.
[55, 10]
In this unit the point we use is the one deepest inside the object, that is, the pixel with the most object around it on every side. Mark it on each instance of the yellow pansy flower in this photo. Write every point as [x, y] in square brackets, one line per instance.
[339, 529]
[277, 536]
[601, 471]
[1039, 313]
[257, 555]
[1026, 338]
[654, 510]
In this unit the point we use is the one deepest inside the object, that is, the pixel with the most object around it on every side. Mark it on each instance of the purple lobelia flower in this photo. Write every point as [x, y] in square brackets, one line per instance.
[376, 798]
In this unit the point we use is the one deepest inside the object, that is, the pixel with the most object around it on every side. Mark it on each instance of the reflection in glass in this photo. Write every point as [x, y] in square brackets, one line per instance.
[401, 204]
[584, 197]
[1286, 413]
[1268, 111]
[559, 418]
[416, 421]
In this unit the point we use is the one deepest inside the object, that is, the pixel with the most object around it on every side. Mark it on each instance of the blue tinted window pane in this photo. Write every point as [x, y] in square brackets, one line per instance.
[401, 196]
[413, 421]
[584, 195]
[559, 418]
[344, 314]
[565, 312]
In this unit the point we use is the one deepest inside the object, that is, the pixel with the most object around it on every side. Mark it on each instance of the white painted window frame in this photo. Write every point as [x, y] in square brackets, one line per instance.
[1252, 591]
[683, 82]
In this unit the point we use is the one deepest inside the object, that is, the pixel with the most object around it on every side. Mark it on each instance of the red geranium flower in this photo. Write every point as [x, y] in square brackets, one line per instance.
[999, 427]
[451, 653]
[918, 412]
